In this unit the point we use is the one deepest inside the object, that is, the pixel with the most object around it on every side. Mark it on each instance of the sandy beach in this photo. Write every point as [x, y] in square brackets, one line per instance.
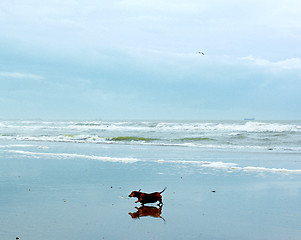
[102, 98]
[47, 197]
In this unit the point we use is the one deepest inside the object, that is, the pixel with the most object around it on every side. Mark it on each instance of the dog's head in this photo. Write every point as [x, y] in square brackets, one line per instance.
[135, 194]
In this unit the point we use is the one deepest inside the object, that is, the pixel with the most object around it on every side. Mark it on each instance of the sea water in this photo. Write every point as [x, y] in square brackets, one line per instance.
[199, 144]
[259, 135]
[225, 179]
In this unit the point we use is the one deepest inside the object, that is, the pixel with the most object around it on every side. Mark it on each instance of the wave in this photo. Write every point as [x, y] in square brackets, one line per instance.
[238, 143]
[228, 126]
[99, 139]
[252, 135]
[197, 139]
[219, 165]
[143, 139]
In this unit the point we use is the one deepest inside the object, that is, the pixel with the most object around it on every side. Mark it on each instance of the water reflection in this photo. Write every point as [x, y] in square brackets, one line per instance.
[145, 211]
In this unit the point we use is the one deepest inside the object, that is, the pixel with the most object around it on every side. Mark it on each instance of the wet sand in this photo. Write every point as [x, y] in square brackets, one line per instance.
[46, 198]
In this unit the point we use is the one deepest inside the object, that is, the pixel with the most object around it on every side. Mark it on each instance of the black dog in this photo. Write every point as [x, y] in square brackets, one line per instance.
[147, 197]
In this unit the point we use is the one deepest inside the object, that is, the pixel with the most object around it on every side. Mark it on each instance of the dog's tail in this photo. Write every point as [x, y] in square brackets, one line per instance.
[163, 190]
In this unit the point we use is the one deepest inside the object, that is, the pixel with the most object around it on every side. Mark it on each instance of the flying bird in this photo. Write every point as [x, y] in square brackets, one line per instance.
[200, 52]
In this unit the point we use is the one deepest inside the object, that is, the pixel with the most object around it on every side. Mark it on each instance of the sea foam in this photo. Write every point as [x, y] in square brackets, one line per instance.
[73, 155]
[219, 165]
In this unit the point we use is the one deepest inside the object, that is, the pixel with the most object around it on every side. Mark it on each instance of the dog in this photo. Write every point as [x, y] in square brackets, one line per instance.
[147, 197]
[146, 211]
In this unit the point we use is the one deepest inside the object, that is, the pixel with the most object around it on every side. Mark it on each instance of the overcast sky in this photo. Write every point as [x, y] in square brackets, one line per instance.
[137, 59]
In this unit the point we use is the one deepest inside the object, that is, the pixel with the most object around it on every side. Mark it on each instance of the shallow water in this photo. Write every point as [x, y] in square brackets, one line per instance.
[46, 197]
[70, 190]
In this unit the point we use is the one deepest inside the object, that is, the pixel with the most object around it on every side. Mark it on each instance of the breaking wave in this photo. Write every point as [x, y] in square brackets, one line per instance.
[268, 135]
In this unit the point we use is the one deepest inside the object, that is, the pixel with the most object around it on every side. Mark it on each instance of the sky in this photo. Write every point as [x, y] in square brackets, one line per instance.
[138, 60]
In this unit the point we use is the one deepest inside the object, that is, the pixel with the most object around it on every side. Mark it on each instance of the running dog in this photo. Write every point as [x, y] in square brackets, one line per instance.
[147, 197]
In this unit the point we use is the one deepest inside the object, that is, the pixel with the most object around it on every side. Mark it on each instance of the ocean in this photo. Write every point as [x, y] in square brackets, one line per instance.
[180, 142]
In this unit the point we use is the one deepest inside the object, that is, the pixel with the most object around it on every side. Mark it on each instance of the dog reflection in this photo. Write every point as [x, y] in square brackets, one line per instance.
[145, 211]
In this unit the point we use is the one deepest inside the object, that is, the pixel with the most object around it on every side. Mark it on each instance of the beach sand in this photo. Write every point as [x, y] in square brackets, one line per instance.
[78, 198]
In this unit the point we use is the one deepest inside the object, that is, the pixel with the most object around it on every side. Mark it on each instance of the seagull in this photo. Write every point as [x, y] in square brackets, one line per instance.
[200, 52]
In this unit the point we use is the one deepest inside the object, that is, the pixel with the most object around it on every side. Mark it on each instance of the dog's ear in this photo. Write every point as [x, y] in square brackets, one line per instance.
[139, 190]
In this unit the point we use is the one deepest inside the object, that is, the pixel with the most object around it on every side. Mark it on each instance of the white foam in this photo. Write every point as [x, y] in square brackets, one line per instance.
[73, 155]
[43, 147]
[229, 167]
[274, 170]
[232, 167]
[60, 138]
[17, 145]
[218, 165]
[251, 126]
[232, 127]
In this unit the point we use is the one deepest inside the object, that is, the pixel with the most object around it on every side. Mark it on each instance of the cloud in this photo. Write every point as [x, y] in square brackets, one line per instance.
[124, 57]
[287, 64]
[18, 75]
